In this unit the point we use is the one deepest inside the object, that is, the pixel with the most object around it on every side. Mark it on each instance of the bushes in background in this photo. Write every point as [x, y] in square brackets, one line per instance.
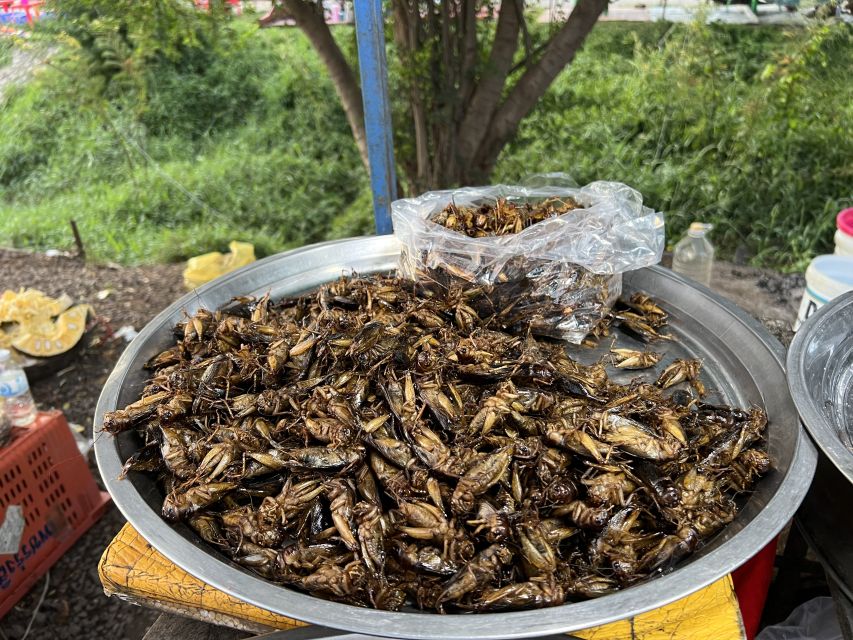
[244, 138]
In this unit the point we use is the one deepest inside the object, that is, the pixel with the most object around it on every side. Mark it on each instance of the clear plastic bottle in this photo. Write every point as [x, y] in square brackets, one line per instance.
[15, 391]
[694, 255]
[5, 424]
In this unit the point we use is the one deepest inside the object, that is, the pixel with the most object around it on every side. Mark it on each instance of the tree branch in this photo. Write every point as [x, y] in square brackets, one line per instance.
[487, 94]
[525, 32]
[528, 58]
[535, 81]
[469, 49]
[309, 18]
[445, 79]
[406, 36]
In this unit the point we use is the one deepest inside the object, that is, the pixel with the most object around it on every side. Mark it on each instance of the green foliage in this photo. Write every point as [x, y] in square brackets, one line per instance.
[741, 127]
[356, 219]
[227, 142]
[241, 136]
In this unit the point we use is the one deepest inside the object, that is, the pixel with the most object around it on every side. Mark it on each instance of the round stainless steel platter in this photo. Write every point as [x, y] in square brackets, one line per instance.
[742, 366]
[820, 376]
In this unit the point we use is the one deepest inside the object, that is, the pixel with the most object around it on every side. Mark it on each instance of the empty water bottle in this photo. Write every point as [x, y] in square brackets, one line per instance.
[15, 391]
[694, 255]
[5, 424]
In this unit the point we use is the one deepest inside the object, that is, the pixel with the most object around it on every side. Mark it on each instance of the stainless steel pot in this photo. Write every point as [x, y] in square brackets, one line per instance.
[743, 365]
[820, 376]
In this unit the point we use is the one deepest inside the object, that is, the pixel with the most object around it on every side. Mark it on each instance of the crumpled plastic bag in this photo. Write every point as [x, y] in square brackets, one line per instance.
[814, 619]
[560, 276]
[209, 266]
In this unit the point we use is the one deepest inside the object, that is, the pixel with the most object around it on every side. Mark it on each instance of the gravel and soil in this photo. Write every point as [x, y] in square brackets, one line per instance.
[74, 606]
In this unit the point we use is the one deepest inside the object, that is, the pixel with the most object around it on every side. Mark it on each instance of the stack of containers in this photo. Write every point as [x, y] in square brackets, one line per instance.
[844, 233]
[831, 275]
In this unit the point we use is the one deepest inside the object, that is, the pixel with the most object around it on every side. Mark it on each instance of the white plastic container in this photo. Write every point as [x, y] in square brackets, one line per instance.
[15, 391]
[826, 277]
[844, 234]
[694, 255]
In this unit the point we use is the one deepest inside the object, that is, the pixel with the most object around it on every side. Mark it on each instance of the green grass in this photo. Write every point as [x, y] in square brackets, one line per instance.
[709, 126]
[246, 146]
[743, 127]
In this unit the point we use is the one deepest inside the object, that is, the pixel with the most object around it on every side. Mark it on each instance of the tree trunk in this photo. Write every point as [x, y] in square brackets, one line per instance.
[309, 18]
[468, 44]
[532, 85]
[460, 122]
[406, 37]
[474, 127]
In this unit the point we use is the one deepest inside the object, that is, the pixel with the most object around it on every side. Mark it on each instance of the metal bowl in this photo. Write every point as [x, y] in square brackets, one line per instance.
[820, 376]
[743, 365]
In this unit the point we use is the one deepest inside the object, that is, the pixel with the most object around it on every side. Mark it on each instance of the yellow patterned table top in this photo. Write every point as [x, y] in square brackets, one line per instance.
[132, 569]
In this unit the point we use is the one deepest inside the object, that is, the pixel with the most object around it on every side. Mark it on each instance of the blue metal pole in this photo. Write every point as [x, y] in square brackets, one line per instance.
[369, 29]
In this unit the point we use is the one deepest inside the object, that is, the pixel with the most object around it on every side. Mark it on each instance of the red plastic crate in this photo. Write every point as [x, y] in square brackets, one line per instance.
[42, 470]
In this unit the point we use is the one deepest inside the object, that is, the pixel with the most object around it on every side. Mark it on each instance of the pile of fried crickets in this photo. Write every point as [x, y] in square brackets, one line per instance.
[387, 443]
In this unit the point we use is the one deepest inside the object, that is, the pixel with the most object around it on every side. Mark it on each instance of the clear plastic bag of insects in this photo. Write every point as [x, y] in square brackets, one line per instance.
[547, 255]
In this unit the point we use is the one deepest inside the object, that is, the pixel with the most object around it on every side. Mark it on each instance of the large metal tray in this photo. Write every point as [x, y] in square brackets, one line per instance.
[820, 367]
[743, 366]
[820, 377]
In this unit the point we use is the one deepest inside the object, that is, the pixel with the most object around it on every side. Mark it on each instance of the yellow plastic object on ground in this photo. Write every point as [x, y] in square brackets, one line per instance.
[27, 304]
[7, 336]
[133, 570]
[47, 338]
[210, 266]
[27, 322]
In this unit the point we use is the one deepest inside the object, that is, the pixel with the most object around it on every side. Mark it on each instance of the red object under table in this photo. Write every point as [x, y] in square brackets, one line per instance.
[752, 581]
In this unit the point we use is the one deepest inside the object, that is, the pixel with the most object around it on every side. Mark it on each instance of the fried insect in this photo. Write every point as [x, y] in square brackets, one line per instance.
[538, 556]
[636, 438]
[341, 502]
[503, 218]
[386, 443]
[631, 359]
[479, 478]
[609, 488]
[482, 570]
[180, 504]
[371, 533]
[682, 371]
[746, 469]
[522, 595]
[426, 559]
[583, 515]
[133, 414]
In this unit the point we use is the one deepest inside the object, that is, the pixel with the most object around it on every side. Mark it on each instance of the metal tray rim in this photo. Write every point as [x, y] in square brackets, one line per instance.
[565, 618]
[817, 425]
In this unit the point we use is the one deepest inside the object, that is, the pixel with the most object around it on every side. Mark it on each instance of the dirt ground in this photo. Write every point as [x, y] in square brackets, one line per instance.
[771, 297]
[74, 605]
